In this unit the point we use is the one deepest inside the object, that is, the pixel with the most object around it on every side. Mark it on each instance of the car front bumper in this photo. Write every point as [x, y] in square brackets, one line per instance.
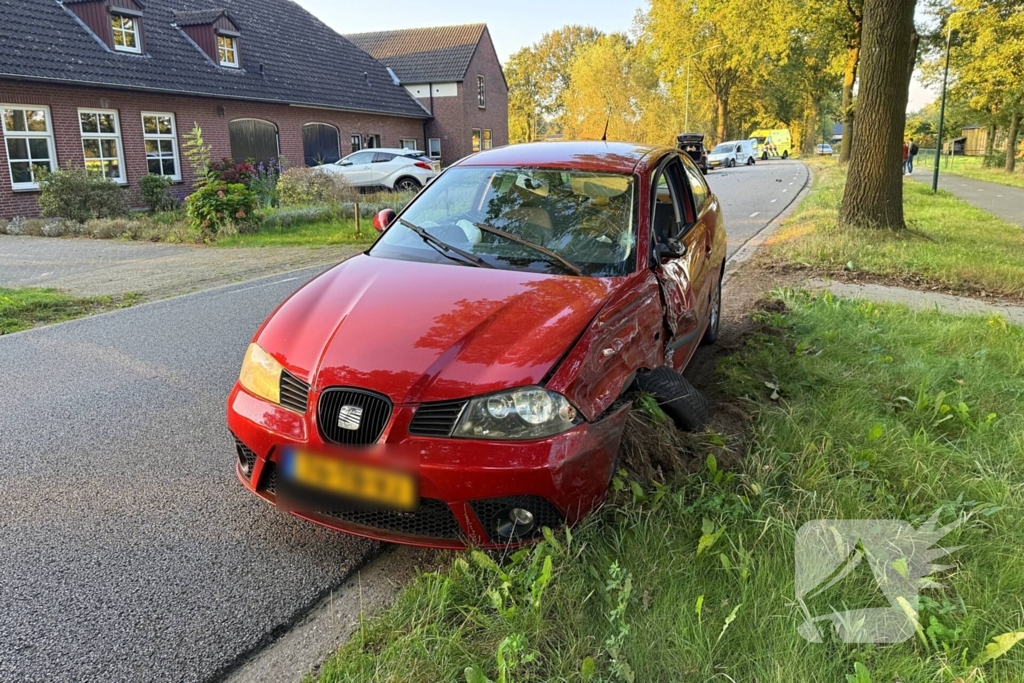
[467, 487]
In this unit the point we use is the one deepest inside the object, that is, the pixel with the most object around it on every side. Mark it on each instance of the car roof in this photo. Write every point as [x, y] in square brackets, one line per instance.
[390, 150]
[586, 155]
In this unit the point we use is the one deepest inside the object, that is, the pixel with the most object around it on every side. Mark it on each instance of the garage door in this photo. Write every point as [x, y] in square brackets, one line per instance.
[253, 140]
[321, 144]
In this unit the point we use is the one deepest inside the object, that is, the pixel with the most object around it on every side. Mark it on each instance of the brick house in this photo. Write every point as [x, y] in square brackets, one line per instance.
[113, 85]
[455, 73]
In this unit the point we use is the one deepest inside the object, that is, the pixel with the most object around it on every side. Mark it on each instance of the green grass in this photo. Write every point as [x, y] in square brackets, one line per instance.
[973, 167]
[23, 308]
[883, 413]
[950, 244]
[318, 234]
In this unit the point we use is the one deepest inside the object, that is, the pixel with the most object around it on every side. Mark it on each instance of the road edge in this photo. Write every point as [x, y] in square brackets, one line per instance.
[752, 245]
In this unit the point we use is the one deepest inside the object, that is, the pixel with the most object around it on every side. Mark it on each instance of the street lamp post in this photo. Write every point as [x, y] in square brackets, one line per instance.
[686, 118]
[942, 110]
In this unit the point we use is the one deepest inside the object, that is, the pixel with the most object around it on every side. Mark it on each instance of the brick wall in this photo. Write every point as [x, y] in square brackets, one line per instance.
[456, 117]
[213, 115]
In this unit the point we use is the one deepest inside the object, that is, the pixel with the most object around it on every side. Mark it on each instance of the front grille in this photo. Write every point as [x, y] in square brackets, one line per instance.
[436, 419]
[433, 519]
[376, 411]
[492, 511]
[294, 393]
[246, 454]
[268, 479]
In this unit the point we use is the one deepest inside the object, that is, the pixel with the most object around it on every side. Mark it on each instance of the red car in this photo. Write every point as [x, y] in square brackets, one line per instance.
[461, 383]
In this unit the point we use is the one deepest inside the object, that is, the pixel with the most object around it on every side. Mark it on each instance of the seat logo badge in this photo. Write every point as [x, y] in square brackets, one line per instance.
[349, 417]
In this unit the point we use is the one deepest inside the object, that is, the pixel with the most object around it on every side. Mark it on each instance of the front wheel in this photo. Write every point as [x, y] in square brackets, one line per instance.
[785, 155]
[407, 185]
[686, 406]
[764, 156]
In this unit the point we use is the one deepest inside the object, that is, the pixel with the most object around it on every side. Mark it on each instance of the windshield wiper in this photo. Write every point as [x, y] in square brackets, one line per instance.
[430, 239]
[565, 263]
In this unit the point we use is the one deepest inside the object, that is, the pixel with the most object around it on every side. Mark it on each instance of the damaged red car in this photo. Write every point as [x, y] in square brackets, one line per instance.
[464, 381]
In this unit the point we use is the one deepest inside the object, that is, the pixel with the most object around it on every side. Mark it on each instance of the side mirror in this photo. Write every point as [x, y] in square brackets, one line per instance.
[383, 219]
[673, 249]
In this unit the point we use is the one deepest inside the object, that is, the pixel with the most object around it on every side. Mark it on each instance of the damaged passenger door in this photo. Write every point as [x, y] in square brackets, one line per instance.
[678, 258]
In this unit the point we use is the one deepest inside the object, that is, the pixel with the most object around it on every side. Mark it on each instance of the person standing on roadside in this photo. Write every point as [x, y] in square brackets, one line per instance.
[906, 155]
[911, 153]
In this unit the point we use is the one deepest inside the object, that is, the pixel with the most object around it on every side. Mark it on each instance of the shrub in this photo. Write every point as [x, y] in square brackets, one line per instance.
[77, 195]
[215, 205]
[227, 171]
[304, 186]
[197, 154]
[153, 189]
[264, 183]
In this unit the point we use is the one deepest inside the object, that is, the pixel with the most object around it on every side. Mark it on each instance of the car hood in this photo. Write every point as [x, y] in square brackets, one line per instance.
[719, 157]
[430, 332]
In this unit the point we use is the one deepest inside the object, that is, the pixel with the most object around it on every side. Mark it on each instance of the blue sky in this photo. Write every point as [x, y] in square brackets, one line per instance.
[513, 24]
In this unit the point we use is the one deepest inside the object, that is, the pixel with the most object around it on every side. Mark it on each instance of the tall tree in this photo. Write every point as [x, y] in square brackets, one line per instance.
[855, 11]
[874, 187]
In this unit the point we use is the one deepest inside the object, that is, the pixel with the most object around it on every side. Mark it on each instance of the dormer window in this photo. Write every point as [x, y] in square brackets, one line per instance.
[125, 33]
[227, 51]
[215, 33]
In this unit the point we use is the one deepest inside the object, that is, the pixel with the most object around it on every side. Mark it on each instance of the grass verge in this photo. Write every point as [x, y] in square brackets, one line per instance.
[27, 307]
[950, 244]
[859, 412]
[319, 234]
[973, 167]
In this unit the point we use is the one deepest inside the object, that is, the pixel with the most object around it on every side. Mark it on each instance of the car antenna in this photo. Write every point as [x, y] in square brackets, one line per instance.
[604, 137]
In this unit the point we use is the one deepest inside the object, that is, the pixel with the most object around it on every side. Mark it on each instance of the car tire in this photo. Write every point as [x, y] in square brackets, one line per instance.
[686, 406]
[714, 315]
[785, 155]
[406, 184]
[764, 156]
[750, 161]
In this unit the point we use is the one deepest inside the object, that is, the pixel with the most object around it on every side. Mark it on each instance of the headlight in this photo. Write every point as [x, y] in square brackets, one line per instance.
[261, 374]
[529, 413]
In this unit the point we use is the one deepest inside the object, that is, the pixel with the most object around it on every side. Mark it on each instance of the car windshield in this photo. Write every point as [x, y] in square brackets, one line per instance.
[587, 219]
[722, 149]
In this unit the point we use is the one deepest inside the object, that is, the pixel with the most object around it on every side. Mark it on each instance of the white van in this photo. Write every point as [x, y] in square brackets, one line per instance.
[746, 152]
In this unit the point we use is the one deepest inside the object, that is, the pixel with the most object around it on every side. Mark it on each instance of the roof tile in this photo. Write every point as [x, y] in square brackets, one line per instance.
[424, 55]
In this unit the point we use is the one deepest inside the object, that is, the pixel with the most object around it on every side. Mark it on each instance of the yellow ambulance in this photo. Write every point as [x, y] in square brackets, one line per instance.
[773, 143]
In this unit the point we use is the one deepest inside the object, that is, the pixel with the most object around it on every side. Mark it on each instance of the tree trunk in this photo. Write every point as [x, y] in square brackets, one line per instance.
[990, 142]
[1011, 142]
[809, 140]
[721, 117]
[874, 187]
[849, 78]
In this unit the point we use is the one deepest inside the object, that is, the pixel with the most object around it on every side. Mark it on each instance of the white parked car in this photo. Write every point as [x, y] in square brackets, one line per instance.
[723, 156]
[392, 168]
[824, 150]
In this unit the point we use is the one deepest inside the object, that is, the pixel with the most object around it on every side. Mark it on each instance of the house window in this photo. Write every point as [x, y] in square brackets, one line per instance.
[476, 139]
[407, 144]
[101, 143]
[161, 139]
[434, 148]
[481, 101]
[372, 141]
[357, 143]
[227, 51]
[30, 148]
[487, 138]
[126, 33]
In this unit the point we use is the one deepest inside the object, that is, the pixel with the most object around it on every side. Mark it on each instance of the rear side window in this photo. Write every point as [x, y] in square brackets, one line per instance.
[699, 187]
[382, 157]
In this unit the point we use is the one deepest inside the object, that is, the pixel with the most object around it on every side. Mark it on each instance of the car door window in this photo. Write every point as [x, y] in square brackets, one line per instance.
[357, 159]
[382, 157]
[671, 214]
[698, 187]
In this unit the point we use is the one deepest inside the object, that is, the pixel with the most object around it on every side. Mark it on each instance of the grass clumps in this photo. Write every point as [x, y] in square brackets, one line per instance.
[950, 245]
[858, 411]
[23, 308]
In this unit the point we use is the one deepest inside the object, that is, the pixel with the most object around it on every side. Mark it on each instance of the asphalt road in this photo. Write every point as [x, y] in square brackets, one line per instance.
[752, 196]
[128, 551]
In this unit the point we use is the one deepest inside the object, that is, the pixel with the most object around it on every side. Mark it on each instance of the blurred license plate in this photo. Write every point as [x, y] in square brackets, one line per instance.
[354, 481]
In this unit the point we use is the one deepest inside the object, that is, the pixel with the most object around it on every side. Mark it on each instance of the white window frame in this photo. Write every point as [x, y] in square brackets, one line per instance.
[135, 32]
[486, 139]
[225, 50]
[430, 152]
[122, 179]
[172, 136]
[28, 135]
[355, 143]
[407, 143]
[481, 96]
[476, 139]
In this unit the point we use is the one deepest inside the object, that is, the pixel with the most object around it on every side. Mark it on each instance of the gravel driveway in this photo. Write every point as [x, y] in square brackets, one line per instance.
[108, 267]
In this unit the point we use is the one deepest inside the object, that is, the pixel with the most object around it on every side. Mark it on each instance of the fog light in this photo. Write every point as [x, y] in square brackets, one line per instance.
[519, 523]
